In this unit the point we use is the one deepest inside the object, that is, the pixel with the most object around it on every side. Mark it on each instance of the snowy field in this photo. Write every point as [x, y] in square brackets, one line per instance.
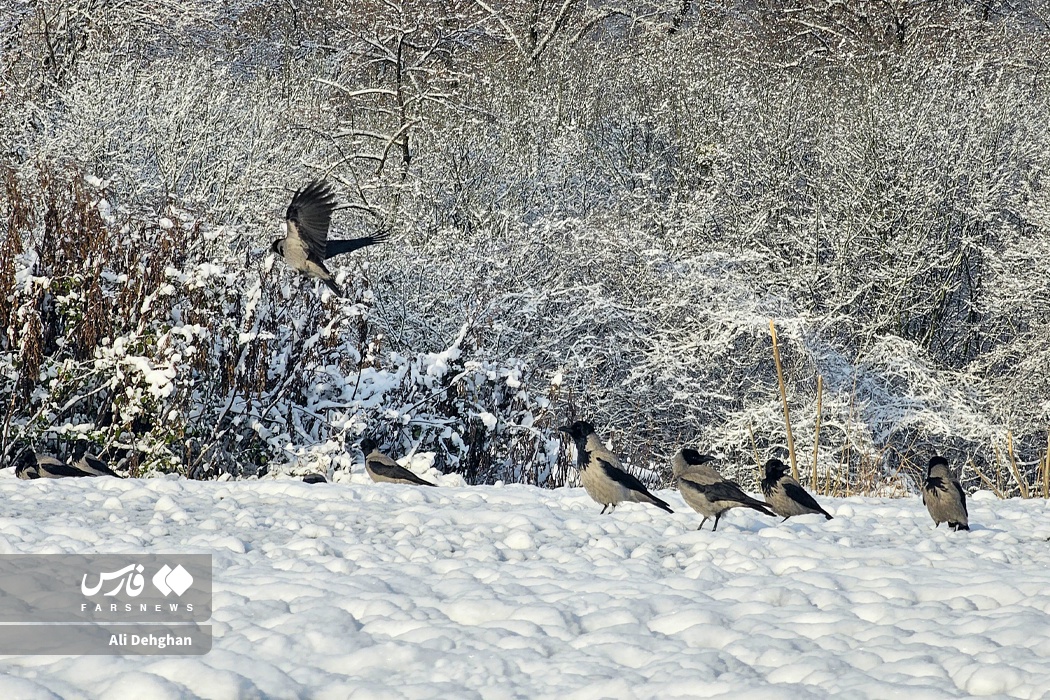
[356, 590]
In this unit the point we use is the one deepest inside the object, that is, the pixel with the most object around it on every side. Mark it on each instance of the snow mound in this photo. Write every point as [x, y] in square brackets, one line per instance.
[364, 590]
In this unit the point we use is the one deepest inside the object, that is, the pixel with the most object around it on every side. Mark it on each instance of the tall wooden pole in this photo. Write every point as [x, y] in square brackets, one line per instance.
[784, 401]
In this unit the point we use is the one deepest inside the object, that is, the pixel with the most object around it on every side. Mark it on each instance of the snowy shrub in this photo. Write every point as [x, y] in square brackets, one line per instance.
[118, 332]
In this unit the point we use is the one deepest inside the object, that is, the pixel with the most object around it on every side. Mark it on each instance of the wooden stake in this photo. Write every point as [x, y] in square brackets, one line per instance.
[816, 432]
[847, 450]
[784, 401]
[988, 482]
[1046, 468]
[1021, 484]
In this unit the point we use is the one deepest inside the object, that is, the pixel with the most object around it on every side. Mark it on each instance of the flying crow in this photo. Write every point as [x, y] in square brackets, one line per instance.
[943, 495]
[785, 495]
[601, 472]
[305, 245]
[704, 489]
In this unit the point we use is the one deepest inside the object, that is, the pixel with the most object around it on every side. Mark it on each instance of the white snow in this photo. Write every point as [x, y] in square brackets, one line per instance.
[158, 379]
[488, 419]
[360, 590]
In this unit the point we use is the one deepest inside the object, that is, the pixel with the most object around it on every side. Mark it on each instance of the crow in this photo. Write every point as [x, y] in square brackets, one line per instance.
[30, 465]
[27, 464]
[305, 246]
[602, 474]
[704, 489]
[785, 496]
[943, 495]
[382, 468]
[89, 463]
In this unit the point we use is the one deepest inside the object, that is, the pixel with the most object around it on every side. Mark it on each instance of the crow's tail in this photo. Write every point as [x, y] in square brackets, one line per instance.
[347, 245]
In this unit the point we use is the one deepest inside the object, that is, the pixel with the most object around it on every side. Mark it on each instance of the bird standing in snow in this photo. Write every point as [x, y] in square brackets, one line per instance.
[89, 463]
[305, 245]
[601, 472]
[704, 489]
[943, 495]
[30, 465]
[784, 495]
[382, 468]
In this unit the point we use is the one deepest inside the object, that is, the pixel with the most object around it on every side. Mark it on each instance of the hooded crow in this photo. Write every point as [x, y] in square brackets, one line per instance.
[382, 468]
[784, 495]
[601, 472]
[704, 489]
[305, 245]
[89, 463]
[943, 495]
[26, 464]
[30, 465]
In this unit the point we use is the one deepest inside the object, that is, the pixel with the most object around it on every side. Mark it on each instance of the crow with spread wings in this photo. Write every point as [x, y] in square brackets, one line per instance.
[305, 245]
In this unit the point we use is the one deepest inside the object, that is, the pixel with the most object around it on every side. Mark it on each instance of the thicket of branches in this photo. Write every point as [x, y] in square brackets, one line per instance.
[596, 207]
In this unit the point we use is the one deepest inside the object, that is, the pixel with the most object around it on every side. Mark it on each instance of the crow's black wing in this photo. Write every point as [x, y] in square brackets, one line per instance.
[393, 470]
[630, 481]
[309, 217]
[56, 469]
[97, 465]
[799, 495]
[724, 491]
[621, 477]
[962, 496]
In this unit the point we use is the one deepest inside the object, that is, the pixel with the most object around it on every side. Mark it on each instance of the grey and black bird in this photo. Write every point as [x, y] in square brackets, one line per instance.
[305, 245]
[30, 465]
[88, 463]
[706, 491]
[27, 466]
[785, 496]
[943, 495]
[602, 474]
[381, 468]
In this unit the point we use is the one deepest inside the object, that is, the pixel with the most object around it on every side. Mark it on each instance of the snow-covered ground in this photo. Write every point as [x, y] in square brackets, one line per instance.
[356, 590]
